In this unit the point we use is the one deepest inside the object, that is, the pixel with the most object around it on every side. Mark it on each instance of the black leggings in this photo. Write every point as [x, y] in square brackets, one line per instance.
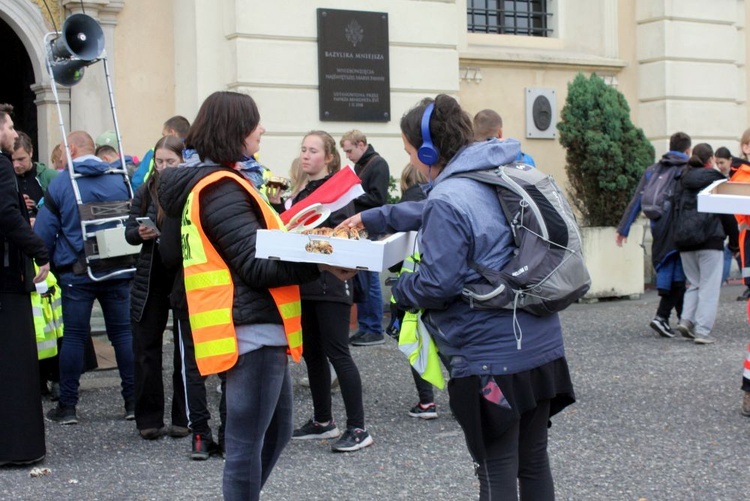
[519, 454]
[325, 336]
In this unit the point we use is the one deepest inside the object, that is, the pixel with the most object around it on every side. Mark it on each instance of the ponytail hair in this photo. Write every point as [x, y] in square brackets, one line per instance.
[329, 146]
[702, 153]
[450, 127]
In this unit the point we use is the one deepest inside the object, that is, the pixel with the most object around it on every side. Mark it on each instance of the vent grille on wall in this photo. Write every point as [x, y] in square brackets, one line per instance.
[541, 115]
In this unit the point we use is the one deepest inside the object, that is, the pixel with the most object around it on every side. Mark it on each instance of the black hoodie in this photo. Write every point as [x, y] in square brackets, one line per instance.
[708, 231]
[230, 218]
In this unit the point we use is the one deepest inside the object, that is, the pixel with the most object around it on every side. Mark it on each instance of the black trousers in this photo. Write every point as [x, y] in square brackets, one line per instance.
[671, 299]
[520, 455]
[195, 386]
[21, 418]
[325, 336]
[148, 345]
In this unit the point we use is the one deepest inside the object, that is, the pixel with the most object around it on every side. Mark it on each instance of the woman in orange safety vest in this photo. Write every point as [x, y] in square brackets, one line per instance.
[244, 312]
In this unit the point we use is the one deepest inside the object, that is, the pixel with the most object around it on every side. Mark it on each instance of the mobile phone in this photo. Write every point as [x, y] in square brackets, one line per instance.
[147, 221]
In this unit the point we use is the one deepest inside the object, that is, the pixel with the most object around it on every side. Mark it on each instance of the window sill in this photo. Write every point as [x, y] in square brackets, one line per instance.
[530, 50]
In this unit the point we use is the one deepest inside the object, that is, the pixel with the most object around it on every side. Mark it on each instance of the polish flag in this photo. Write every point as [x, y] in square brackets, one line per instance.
[339, 190]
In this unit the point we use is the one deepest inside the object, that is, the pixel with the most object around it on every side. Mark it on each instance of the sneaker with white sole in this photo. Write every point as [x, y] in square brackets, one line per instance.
[428, 411]
[661, 326]
[312, 430]
[687, 329]
[704, 339]
[352, 440]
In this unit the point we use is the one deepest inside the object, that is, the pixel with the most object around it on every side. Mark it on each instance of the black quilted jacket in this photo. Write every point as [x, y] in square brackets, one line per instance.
[230, 219]
[151, 276]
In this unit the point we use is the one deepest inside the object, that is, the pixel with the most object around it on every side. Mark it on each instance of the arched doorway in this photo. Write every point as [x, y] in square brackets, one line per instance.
[16, 90]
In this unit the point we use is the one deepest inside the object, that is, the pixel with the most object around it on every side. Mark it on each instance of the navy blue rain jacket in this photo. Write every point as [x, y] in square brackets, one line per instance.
[61, 231]
[462, 221]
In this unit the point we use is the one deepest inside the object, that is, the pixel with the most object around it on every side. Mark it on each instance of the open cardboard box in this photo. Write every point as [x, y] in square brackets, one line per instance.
[369, 255]
[725, 197]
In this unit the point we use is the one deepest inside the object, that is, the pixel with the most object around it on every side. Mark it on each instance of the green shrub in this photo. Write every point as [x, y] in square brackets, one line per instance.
[605, 153]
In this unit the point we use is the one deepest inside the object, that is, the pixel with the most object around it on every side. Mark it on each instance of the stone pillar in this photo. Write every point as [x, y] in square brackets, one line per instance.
[691, 71]
[48, 122]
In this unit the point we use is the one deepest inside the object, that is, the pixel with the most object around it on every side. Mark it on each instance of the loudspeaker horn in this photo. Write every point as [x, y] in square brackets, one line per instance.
[68, 73]
[82, 37]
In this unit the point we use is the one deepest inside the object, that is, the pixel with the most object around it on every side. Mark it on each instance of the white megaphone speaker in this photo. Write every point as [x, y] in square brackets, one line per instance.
[82, 38]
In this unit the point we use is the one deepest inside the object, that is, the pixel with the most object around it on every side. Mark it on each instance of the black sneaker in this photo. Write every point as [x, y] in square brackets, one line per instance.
[355, 336]
[352, 440]
[203, 447]
[428, 411]
[369, 339]
[661, 326]
[130, 410]
[312, 430]
[745, 295]
[63, 414]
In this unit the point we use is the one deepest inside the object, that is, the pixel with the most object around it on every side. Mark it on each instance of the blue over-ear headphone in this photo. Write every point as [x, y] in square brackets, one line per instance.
[427, 153]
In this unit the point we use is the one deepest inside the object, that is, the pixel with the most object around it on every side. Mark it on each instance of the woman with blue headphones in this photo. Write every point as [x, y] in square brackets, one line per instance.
[502, 390]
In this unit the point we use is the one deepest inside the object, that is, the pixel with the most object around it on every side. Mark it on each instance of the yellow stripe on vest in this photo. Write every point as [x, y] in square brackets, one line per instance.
[290, 310]
[211, 318]
[215, 347]
[207, 279]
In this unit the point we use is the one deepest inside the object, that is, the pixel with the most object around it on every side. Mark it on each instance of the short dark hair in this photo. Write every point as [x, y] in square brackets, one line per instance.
[450, 126]
[5, 110]
[723, 152]
[224, 120]
[23, 141]
[106, 149]
[179, 124]
[486, 123]
[679, 142]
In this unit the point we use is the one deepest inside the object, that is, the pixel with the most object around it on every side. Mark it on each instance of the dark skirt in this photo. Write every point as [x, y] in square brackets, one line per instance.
[487, 406]
[21, 418]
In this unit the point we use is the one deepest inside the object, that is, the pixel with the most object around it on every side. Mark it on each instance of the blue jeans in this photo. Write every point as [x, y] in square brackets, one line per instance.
[259, 420]
[370, 313]
[77, 302]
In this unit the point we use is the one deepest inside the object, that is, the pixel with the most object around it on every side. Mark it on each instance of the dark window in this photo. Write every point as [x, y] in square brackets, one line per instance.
[510, 17]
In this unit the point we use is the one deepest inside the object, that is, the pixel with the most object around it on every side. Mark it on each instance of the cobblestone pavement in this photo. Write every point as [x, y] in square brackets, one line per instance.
[655, 419]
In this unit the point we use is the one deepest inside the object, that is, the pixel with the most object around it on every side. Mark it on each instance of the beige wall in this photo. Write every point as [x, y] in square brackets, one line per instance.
[145, 75]
[591, 36]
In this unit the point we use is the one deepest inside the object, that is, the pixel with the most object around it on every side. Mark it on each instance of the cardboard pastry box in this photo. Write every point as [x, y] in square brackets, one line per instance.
[725, 197]
[359, 254]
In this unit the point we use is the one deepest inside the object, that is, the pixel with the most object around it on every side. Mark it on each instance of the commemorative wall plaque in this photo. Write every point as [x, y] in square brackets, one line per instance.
[353, 75]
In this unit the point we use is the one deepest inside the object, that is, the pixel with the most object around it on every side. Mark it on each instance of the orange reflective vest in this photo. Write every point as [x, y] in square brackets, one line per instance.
[210, 290]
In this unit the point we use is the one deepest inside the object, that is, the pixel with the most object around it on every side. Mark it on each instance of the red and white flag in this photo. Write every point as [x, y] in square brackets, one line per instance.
[339, 190]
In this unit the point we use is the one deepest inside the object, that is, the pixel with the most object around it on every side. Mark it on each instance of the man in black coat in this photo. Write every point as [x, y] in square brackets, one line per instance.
[373, 170]
[22, 440]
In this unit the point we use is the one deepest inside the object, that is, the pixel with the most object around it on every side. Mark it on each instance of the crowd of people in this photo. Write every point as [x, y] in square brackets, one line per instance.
[692, 251]
[199, 196]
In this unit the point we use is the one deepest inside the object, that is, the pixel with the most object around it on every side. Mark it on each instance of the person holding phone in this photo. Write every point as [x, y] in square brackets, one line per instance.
[150, 305]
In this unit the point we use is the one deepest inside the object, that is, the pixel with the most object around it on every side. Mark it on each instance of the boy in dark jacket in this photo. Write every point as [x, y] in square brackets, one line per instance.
[670, 278]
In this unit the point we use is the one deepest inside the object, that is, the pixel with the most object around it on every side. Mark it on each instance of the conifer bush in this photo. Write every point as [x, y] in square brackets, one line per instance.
[605, 153]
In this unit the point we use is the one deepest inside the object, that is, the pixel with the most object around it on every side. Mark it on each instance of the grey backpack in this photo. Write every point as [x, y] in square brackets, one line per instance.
[546, 273]
[657, 191]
